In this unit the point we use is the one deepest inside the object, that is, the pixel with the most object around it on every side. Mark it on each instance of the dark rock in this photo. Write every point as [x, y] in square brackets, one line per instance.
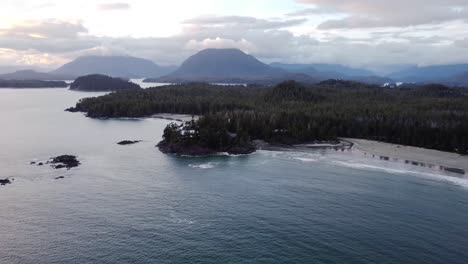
[195, 150]
[128, 142]
[242, 150]
[65, 161]
[454, 170]
[184, 150]
[32, 162]
[5, 181]
[59, 177]
[40, 164]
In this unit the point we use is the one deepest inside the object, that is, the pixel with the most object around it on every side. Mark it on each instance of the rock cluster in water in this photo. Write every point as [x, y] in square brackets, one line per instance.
[5, 181]
[128, 142]
[60, 162]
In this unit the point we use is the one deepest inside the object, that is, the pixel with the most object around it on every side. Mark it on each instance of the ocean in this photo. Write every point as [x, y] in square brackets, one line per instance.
[133, 204]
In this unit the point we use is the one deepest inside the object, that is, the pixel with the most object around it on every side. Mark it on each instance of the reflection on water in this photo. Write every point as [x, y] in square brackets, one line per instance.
[132, 204]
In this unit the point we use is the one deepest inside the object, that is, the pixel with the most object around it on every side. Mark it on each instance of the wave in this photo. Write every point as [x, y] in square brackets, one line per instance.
[462, 182]
[205, 166]
[306, 159]
[356, 161]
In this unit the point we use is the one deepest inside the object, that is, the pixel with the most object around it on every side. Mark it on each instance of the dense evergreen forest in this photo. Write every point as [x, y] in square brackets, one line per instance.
[98, 82]
[429, 116]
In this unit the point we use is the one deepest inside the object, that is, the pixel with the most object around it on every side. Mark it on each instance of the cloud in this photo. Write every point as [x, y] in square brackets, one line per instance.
[221, 43]
[52, 42]
[114, 6]
[49, 36]
[310, 11]
[243, 22]
[395, 13]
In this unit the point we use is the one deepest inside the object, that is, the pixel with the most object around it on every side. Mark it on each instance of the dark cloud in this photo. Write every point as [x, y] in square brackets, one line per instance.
[395, 13]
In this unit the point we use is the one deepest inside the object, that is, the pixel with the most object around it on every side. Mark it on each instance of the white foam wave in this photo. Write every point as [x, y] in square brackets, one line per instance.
[463, 182]
[306, 159]
[355, 161]
[205, 166]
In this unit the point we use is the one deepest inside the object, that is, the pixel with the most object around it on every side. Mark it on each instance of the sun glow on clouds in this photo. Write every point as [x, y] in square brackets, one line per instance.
[356, 32]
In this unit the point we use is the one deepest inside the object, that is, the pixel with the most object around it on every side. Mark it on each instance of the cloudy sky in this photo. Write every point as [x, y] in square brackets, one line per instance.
[365, 33]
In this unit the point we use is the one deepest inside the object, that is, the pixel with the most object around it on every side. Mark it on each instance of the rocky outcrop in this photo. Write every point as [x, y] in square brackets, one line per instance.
[65, 161]
[5, 181]
[128, 142]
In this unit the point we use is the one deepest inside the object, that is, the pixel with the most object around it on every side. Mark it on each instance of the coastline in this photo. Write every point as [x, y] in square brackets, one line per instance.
[433, 159]
[446, 162]
[175, 117]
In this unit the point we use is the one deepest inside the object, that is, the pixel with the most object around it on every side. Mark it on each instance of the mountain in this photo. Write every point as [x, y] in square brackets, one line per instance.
[428, 74]
[460, 80]
[228, 66]
[34, 75]
[115, 66]
[98, 82]
[334, 71]
[327, 69]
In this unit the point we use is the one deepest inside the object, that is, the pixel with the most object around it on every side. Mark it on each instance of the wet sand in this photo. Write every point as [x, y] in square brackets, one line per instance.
[445, 161]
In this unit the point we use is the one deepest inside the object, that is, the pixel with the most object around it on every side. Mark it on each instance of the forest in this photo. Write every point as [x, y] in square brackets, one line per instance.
[430, 116]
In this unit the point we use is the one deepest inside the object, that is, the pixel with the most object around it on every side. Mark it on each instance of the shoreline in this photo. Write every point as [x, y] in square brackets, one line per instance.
[175, 117]
[432, 159]
[446, 162]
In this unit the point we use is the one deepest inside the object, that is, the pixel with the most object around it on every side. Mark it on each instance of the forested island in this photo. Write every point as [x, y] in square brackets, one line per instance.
[102, 83]
[428, 116]
[32, 84]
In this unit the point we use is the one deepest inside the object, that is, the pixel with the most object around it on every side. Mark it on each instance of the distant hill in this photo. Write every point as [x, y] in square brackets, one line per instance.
[228, 66]
[32, 84]
[115, 66]
[34, 75]
[460, 80]
[97, 82]
[324, 68]
[429, 74]
[334, 71]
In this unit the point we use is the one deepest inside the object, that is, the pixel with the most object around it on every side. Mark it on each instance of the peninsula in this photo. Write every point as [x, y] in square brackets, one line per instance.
[291, 113]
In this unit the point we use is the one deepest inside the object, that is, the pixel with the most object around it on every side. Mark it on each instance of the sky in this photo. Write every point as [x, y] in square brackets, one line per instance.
[375, 34]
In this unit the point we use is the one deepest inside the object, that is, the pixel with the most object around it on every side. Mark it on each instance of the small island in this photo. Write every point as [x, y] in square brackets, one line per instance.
[5, 181]
[128, 142]
[65, 161]
[32, 84]
[102, 83]
[203, 137]
[59, 162]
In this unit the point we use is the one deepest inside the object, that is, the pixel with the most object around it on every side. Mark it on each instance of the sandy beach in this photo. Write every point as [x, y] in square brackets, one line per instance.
[445, 161]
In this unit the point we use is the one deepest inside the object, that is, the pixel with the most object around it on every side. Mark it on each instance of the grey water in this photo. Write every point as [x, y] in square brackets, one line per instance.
[133, 204]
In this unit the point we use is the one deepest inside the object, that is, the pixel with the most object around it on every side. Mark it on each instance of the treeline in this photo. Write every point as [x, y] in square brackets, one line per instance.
[430, 116]
[32, 84]
[98, 82]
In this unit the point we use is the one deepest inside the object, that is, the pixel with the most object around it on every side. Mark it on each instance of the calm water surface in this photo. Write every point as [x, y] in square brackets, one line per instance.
[132, 204]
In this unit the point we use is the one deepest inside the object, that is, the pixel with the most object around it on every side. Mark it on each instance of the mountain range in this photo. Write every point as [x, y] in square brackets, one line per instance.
[437, 73]
[235, 66]
[334, 71]
[114, 66]
[34, 75]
